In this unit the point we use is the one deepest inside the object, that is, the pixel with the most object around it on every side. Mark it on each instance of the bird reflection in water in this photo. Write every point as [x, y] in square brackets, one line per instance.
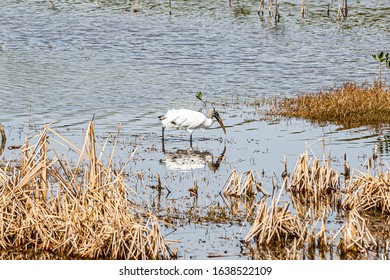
[190, 159]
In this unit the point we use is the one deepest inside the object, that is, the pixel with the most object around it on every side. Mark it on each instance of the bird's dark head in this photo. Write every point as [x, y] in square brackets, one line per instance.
[215, 114]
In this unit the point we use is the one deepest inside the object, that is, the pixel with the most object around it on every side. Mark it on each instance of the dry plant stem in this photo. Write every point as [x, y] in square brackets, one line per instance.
[261, 8]
[136, 6]
[3, 139]
[277, 7]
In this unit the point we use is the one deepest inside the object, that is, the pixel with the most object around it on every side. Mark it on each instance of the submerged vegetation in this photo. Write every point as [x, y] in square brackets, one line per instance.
[350, 106]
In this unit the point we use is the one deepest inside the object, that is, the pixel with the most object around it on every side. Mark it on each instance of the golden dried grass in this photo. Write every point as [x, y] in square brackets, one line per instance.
[81, 212]
[313, 178]
[246, 185]
[351, 105]
[276, 224]
[356, 236]
[366, 192]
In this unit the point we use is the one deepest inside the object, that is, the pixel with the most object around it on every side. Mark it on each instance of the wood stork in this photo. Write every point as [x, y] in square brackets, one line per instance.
[189, 120]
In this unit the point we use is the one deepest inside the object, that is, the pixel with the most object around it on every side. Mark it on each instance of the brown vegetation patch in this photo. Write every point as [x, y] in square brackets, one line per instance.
[369, 193]
[351, 105]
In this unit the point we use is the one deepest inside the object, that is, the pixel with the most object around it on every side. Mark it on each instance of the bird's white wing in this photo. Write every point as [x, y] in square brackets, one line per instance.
[184, 119]
[191, 119]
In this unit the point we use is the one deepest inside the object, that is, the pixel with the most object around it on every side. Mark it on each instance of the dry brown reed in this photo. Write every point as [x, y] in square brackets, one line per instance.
[245, 185]
[342, 12]
[80, 212]
[313, 178]
[366, 192]
[276, 225]
[3, 139]
[356, 237]
[350, 105]
[261, 8]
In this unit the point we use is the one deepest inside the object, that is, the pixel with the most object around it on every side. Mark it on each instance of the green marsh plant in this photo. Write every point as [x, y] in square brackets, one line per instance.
[384, 62]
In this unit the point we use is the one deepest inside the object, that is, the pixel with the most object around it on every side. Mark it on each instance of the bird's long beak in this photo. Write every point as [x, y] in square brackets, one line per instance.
[221, 123]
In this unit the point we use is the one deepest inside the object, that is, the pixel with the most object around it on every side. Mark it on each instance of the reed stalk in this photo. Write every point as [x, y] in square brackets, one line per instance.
[277, 14]
[3, 139]
[261, 8]
[270, 9]
[136, 7]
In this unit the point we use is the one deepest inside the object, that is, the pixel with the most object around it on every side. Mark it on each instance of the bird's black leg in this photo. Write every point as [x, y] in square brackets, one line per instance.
[191, 140]
[163, 140]
[163, 128]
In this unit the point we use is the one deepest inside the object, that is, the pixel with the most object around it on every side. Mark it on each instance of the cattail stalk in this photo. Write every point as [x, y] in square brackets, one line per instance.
[3, 138]
[277, 15]
[260, 10]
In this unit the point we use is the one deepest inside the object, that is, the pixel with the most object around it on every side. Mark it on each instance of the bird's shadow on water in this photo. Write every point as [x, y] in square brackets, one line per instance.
[190, 159]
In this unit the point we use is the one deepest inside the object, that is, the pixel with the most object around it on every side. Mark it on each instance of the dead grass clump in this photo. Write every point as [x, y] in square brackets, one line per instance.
[350, 105]
[368, 193]
[275, 225]
[311, 178]
[246, 185]
[80, 212]
[356, 237]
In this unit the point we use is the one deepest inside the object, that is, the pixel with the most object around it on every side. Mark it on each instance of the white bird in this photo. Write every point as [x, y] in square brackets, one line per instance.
[189, 120]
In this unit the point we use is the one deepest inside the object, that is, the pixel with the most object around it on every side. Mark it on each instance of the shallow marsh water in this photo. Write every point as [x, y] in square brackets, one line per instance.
[62, 63]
